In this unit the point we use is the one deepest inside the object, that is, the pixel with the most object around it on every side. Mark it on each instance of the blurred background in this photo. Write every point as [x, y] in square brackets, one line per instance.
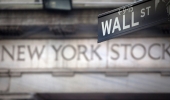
[49, 51]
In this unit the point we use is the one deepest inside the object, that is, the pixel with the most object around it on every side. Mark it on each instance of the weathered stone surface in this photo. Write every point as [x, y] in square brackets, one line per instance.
[77, 4]
[34, 17]
[4, 84]
[90, 83]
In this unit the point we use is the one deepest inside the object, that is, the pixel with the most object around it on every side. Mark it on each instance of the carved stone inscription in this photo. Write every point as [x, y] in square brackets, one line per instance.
[86, 53]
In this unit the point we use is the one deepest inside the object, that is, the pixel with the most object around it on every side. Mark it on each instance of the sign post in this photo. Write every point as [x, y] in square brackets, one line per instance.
[132, 18]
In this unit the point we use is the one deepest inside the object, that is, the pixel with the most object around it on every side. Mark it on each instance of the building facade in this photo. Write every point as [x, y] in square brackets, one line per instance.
[55, 55]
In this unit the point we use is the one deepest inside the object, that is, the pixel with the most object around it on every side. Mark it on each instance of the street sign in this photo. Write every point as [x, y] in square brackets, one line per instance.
[132, 18]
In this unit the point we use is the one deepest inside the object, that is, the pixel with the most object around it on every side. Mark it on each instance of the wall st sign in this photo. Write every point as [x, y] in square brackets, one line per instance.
[131, 18]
